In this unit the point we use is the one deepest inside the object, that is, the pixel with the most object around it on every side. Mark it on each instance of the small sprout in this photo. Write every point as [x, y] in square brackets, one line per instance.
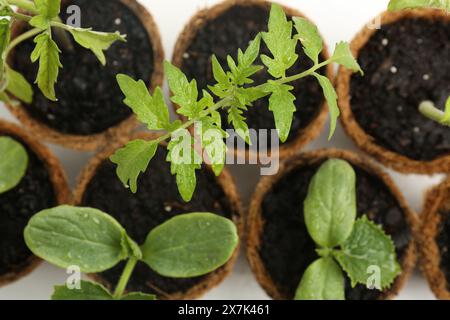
[395, 5]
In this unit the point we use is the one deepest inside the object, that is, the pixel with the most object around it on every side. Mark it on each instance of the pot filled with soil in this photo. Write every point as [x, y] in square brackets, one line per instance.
[89, 110]
[433, 240]
[42, 186]
[280, 247]
[156, 201]
[405, 63]
[222, 30]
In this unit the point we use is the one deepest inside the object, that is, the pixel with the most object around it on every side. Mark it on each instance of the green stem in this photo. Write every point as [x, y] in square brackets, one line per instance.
[20, 16]
[24, 4]
[303, 74]
[125, 277]
[429, 110]
[19, 39]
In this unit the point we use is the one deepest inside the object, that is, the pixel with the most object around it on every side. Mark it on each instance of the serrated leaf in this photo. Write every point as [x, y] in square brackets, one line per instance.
[185, 93]
[13, 163]
[184, 161]
[323, 280]
[133, 159]
[368, 246]
[309, 37]
[72, 236]
[139, 296]
[190, 245]
[343, 56]
[18, 86]
[395, 5]
[47, 9]
[151, 111]
[88, 291]
[330, 205]
[219, 74]
[236, 118]
[331, 97]
[212, 141]
[446, 117]
[281, 103]
[47, 52]
[280, 43]
[95, 41]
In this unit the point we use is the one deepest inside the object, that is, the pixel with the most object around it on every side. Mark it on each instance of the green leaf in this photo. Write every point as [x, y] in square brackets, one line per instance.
[18, 86]
[310, 38]
[190, 245]
[5, 35]
[185, 93]
[331, 97]
[88, 291]
[95, 41]
[85, 237]
[343, 56]
[136, 296]
[281, 103]
[368, 246]
[48, 10]
[323, 280]
[151, 111]
[47, 52]
[395, 5]
[330, 206]
[133, 159]
[184, 161]
[219, 74]
[446, 117]
[13, 163]
[280, 43]
[236, 118]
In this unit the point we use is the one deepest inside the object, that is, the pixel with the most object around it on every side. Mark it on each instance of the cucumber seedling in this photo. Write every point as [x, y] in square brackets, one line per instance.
[13, 163]
[233, 92]
[185, 246]
[355, 246]
[42, 17]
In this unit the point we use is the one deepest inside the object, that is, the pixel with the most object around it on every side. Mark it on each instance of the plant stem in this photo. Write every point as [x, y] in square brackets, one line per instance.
[429, 110]
[125, 277]
[24, 4]
[19, 39]
[20, 16]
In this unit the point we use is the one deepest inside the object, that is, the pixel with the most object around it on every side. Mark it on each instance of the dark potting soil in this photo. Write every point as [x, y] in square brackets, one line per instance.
[156, 201]
[286, 247]
[34, 193]
[405, 63]
[90, 100]
[443, 241]
[233, 30]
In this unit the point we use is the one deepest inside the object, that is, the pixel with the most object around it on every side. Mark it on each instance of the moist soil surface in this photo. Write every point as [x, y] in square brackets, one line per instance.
[286, 247]
[405, 63]
[156, 201]
[233, 30]
[34, 193]
[443, 241]
[90, 100]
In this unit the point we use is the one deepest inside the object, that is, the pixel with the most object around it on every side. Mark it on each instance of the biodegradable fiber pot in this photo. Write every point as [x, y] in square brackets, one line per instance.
[43, 186]
[156, 201]
[434, 240]
[222, 30]
[405, 63]
[90, 110]
[279, 247]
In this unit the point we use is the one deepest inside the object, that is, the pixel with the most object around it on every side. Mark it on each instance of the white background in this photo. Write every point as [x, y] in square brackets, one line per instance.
[337, 20]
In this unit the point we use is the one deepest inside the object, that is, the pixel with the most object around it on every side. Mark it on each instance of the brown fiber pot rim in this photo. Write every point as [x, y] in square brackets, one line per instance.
[95, 141]
[57, 177]
[225, 180]
[362, 139]
[305, 135]
[437, 199]
[255, 224]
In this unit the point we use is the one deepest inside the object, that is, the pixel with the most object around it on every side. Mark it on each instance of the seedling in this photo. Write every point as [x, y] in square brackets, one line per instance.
[13, 163]
[43, 18]
[356, 246]
[427, 108]
[233, 92]
[185, 246]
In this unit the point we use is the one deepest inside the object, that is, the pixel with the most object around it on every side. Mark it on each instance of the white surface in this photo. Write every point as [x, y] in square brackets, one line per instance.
[337, 20]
